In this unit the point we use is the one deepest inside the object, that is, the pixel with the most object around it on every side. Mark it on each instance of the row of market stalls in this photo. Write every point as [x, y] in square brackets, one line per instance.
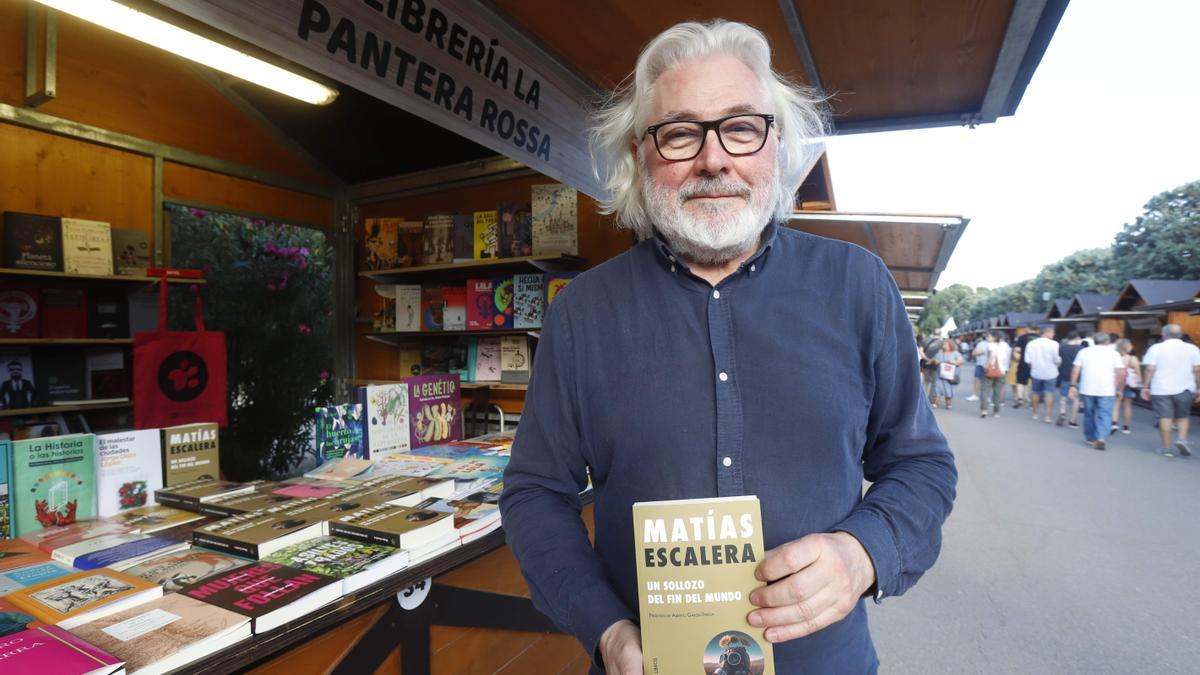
[1138, 313]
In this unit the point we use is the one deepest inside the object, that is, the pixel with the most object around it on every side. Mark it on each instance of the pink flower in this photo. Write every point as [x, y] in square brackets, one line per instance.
[304, 252]
[305, 328]
[199, 213]
[324, 375]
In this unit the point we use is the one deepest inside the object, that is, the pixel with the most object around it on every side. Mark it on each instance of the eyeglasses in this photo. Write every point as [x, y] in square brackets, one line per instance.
[737, 134]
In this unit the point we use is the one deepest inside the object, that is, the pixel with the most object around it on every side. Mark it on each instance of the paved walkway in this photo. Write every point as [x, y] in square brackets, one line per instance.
[1057, 558]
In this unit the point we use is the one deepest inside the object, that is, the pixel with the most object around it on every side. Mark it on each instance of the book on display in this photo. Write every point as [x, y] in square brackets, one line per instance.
[191, 452]
[356, 563]
[151, 519]
[188, 496]
[128, 470]
[50, 649]
[392, 525]
[54, 481]
[78, 598]
[175, 570]
[256, 534]
[269, 594]
[114, 550]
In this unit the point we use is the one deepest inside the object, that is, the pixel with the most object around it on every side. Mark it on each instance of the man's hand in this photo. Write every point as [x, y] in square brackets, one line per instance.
[1145, 393]
[621, 649]
[813, 582]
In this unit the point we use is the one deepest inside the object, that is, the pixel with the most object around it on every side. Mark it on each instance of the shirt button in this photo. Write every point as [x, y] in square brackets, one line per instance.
[716, 295]
[727, 462]
[752, 268]
[723, 377]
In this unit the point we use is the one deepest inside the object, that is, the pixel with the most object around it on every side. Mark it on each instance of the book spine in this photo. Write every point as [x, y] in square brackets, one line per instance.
[363, 534]
[218, 510]
[224, 544]
[178, 501]
[62, 558]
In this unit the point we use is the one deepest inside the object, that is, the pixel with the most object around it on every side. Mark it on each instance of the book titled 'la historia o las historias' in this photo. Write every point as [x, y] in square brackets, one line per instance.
[695, 569]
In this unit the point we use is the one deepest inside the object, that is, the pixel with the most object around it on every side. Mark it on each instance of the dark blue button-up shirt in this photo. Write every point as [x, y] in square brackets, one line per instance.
[793, 379]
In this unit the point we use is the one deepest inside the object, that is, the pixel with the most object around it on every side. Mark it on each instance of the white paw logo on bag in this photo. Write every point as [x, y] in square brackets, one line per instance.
[182, 376]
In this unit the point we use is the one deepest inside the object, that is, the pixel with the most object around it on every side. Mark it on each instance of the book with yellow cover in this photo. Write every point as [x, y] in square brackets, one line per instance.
[695, 571]
[75, 599]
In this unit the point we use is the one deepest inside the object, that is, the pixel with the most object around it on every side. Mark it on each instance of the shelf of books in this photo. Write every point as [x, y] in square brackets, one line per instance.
[398, 337]
[65, 341]
[499, 386]
[72, 276]
[81, 406]
[544, 263]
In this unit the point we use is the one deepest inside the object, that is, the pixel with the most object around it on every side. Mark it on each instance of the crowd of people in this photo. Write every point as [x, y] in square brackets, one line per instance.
[1095, 379]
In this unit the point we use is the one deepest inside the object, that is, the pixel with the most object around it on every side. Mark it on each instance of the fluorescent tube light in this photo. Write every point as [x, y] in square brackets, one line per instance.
[145, 28]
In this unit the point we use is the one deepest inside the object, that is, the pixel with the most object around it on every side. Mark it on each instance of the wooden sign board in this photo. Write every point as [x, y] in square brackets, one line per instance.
[438, 59]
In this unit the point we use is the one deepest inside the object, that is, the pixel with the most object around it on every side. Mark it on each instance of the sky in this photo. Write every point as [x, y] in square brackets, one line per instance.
[1110, 119]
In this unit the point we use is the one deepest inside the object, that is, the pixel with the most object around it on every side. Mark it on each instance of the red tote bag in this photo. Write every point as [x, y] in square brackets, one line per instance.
[179, 377]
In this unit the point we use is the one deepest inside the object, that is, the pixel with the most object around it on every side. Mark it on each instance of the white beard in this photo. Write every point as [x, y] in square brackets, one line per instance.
[715, 236]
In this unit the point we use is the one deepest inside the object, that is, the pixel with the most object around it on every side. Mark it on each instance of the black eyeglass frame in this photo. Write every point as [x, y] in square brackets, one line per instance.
[715, 127]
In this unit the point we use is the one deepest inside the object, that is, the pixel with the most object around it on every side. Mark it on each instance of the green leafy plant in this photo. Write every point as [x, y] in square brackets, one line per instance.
[270, 290]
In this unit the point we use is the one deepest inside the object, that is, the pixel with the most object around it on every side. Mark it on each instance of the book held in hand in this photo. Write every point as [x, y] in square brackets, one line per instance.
[695, 571]
[268, 594]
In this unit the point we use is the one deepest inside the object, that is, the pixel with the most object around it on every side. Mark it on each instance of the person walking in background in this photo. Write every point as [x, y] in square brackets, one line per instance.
[1067, 351]
[999, 358]
[1010, 374]
[1133, 384]
[1097, 377]
[1020, 346]
[949, 361]
[1041, 356]
[979, 354]
[1172, 384]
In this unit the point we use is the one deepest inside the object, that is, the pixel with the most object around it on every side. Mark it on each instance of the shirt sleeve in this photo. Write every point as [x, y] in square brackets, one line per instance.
[906, 458]
[1151, 358]
[540, 505]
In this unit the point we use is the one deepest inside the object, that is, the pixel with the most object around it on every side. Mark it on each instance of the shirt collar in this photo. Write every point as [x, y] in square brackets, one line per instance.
[753, 264]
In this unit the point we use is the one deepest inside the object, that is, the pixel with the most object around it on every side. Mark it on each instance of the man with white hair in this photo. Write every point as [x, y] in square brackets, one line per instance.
[726, 355]
[1172, 384]
[1096, 378]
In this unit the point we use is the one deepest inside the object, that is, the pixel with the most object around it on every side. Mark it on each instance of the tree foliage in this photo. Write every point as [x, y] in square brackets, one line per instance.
[946, 303]
[1163, 242]
[270, 290]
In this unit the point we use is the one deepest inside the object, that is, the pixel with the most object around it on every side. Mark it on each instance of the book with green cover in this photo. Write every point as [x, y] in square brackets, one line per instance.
[356, 563]
[54, 481]
[6, 521]
[695, 570]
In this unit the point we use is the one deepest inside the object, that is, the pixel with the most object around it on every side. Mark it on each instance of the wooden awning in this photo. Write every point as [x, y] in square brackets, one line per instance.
[915, 248]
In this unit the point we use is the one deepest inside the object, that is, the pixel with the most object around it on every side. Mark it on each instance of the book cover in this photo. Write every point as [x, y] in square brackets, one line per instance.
[341, 469]
[408, 308]
[385, 425]
[392, 525]
[435, 409]
[529, 300]
[87, 247]
[105, 376]
[154, 518]
[64, 313]
[407, 465]
[303, 487]
[18, 389]
[444, 452]
[435, 357]
[555, 282]
[454, 315]
[464, 237]
[54, 481]
[411, 243]
[256, 534]
[502, 300]
[458, 358]
[19, 553]
[32, 242]
[6, 478]
[108, 314]
[190, 494]
[383, 314]
[130, 251]
[233, 505]
[516, 229]
[695, 570]
[190, 452]
[175, 570]
[487, 467]
[30, 575]
[60, 375]
[51, 538]
[339, 431]
[115, 551]
[50, 649]
[480, 304]
[84, 596]
[166, 633]
[487, 239]
[19, 317]
[269, 594]
[405, 490]
[380, 247]
[514, 359]
[555, 222]
[432, 308]
[356, 563]
[128, 470]
[438, 240]
[487, 360]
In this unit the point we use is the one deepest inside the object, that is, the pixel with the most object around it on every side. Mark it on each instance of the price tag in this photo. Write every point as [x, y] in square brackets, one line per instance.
[412, 597]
